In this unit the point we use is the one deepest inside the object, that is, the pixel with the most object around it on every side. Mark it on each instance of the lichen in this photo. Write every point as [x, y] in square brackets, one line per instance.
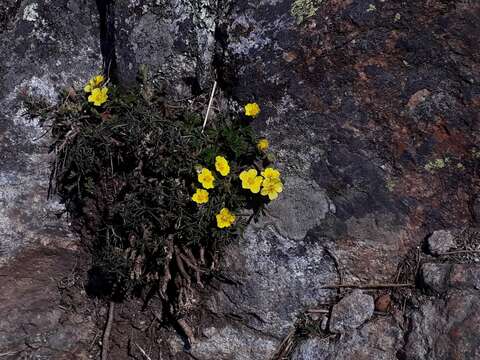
[303, 9]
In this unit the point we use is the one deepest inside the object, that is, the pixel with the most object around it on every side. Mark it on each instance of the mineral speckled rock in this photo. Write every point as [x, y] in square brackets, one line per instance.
[44, 46]
[175, 39]
[444, 276]
[351, 312]
[440, 242]
[445, 329]
[47, 45]
[379, 339]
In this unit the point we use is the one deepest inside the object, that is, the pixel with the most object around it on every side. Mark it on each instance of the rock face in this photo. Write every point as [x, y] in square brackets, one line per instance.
[445, 328]
[380, 339]
[372, 109]
[351, 312]
[441, 277]
[45, 45]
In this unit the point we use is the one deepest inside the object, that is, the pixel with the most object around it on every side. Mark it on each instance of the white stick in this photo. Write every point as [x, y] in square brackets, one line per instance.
[209, 105]
[143, 352]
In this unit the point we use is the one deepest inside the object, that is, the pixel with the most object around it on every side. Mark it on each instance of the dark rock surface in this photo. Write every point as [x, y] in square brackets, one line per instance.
[33, 324]
[372, 108]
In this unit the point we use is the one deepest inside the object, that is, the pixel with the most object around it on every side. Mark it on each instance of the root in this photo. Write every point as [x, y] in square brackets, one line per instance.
[187, 330]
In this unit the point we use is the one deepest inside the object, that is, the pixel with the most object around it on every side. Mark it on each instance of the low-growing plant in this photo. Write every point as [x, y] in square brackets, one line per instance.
[157, 195]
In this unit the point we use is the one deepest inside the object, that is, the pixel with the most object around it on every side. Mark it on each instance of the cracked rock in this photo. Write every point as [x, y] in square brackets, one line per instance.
[351, 312]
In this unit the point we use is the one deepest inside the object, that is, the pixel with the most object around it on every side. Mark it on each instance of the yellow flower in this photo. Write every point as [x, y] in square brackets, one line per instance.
[225, 218]
[221, 164]
[271, 173]
[200, 196]
[271, 188]
[252, 109]
[205, 177]
[262, 144]
[94, 83]
[98, 96]
[251, 181]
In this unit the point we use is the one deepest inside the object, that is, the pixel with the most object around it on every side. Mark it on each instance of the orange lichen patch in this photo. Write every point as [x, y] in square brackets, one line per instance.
[400, 140]
[391, 41]
[417, 98]
[448, 141]
[289, 56]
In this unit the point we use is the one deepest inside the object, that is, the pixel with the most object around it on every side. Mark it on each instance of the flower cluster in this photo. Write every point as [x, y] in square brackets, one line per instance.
[207, 179]
[183, 191]
[269, 182]
[98, 92]
[266, 183]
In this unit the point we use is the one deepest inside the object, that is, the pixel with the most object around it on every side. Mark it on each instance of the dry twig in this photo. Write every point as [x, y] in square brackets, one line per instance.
[366, 286]
[143, 352]
[108, 330]
[209, 105]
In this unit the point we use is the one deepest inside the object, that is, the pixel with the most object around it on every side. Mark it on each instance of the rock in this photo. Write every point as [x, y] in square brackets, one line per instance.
[32, 322]
[441, 277]
[235, 343]
[47, 45]
[333, 93]
[440, 242]
[445, 329]
[476, 209]
[379, 339]
[351, 312]
[383, 303]
[276, 273]
[174, 39]
[418, 98]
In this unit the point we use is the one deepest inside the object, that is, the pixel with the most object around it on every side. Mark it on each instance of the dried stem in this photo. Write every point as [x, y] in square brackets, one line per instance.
[209, 105]
[108, 330]
[367, 286]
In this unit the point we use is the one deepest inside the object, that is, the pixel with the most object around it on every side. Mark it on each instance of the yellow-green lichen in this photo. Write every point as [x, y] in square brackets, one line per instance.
[303, 9]
[437, 164]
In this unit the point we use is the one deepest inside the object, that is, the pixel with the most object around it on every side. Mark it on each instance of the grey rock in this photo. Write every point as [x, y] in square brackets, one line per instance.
[440, 242]
[175, 39]
[351, 312]
[440, 277]
[280, 277]
[445, 329]
[47, 45]
[379, 339]
[301, 206]
[233, 343]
